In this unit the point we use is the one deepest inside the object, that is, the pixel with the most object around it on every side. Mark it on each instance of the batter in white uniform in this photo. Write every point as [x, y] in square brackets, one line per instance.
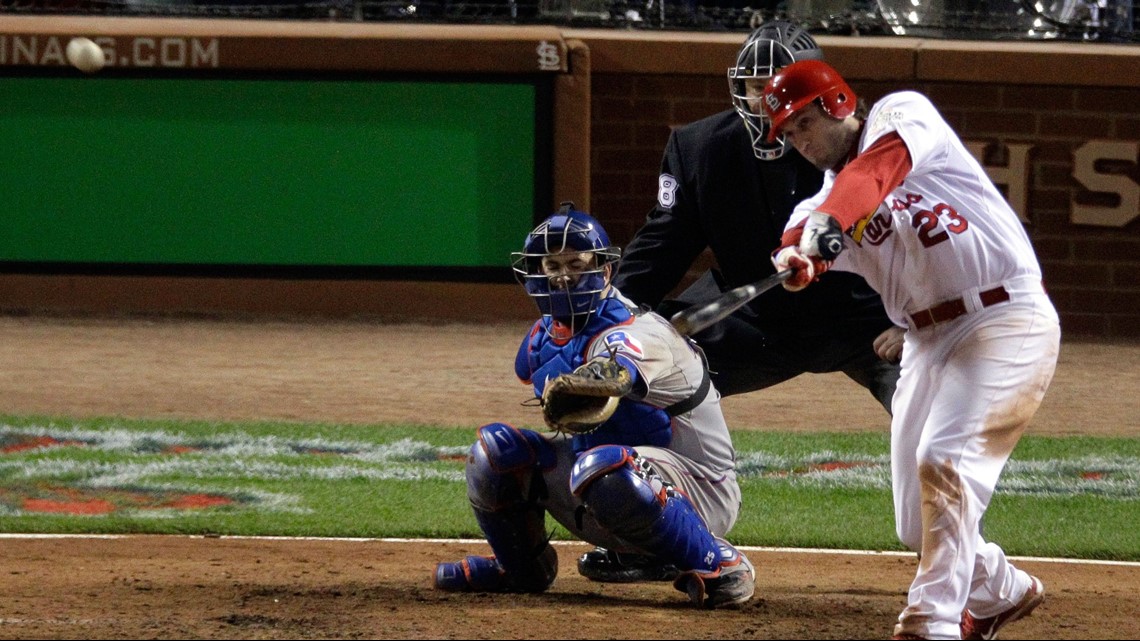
[906, 206]
[656, 478]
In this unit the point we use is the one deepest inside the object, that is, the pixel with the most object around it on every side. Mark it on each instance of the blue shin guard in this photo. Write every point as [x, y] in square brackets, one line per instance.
[627, 498]
[504, 482]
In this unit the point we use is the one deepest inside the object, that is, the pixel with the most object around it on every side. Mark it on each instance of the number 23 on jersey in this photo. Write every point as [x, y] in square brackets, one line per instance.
[926, 221]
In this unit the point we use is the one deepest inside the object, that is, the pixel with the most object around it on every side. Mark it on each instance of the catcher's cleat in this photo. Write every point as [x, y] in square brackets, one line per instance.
[987, 628]
[608, 566]
[733, 583]
[486, 574]
[473, 573]
[906, 636]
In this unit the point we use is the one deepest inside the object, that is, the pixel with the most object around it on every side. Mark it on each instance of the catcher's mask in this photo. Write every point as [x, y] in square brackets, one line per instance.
[771, 47]
[566, 265]
[801, 84]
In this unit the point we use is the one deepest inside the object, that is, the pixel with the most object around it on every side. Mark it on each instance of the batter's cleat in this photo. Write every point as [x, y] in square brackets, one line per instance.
[733, 583]
[608, 566]
[988, 628]
[473, 573]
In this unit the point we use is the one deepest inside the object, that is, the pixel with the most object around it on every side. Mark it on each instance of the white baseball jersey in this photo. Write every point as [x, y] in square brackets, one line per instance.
[944, 232]
[970, 382]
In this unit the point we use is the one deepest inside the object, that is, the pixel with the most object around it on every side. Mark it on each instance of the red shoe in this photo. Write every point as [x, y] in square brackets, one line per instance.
[988, 628]
[907, 635]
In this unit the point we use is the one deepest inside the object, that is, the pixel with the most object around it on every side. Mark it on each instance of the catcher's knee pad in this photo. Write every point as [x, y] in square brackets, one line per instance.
[628, 499]
[503, 464]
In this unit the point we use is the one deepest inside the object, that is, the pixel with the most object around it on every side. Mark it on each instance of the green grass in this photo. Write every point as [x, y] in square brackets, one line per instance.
[1070, 497]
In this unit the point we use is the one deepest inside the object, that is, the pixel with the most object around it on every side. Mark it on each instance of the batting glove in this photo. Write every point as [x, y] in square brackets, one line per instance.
[822, 237]
[805, 269]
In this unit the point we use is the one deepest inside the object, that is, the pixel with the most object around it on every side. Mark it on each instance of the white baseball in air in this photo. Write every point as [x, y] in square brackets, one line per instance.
[85, 55]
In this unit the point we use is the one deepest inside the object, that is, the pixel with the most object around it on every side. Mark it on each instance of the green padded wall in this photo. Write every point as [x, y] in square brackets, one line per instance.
[266, 171]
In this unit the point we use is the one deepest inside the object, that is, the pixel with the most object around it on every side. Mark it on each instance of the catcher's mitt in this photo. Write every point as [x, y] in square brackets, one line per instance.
[582, 400]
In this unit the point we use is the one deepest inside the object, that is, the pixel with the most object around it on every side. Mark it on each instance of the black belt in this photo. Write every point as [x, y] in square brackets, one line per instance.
[952, 309]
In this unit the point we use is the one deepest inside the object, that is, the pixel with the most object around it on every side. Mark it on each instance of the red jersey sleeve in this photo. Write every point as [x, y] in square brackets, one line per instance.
[867, 179]
[792, 236]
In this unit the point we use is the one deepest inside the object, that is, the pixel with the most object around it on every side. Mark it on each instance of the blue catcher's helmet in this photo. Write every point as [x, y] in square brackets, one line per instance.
[568, 293]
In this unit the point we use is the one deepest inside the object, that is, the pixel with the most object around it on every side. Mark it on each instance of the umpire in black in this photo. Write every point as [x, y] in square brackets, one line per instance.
[724, 188]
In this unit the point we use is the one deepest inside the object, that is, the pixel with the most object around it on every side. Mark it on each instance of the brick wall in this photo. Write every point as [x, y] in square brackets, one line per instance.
[636, 85]
[1092, 273]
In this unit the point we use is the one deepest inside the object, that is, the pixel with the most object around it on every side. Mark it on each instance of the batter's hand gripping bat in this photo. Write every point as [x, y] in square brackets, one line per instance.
[694, 319]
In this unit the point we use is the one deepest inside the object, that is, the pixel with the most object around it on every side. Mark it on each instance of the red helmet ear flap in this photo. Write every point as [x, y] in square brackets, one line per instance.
[802, 83]
[839, 102]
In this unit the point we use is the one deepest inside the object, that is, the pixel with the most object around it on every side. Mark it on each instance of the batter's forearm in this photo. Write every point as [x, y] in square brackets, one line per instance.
[867, 180]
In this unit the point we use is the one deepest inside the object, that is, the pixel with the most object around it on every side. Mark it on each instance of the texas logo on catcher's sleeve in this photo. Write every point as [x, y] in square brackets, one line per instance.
[623, 343]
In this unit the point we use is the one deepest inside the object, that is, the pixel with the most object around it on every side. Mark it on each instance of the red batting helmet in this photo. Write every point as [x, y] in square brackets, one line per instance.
[801, 83]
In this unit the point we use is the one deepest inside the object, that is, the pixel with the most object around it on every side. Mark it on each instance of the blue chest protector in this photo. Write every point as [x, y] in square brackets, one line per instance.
[542, 357]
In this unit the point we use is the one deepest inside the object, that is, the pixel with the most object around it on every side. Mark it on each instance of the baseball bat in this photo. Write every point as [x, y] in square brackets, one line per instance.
[694, 319]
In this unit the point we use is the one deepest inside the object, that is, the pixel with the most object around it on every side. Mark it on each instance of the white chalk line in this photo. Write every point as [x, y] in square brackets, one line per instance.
[746, 548]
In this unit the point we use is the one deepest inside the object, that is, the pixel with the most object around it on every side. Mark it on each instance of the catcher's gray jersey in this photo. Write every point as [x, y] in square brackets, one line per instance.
[699, 459]
[672, 370]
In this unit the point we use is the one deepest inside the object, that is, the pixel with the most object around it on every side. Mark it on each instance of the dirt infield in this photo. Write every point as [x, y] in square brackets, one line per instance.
[213, 588]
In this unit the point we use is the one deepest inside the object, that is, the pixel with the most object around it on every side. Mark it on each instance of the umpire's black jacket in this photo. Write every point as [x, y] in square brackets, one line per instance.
[715, 193]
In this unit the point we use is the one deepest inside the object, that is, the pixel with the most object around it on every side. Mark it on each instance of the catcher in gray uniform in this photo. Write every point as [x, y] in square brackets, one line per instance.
[639, 457]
